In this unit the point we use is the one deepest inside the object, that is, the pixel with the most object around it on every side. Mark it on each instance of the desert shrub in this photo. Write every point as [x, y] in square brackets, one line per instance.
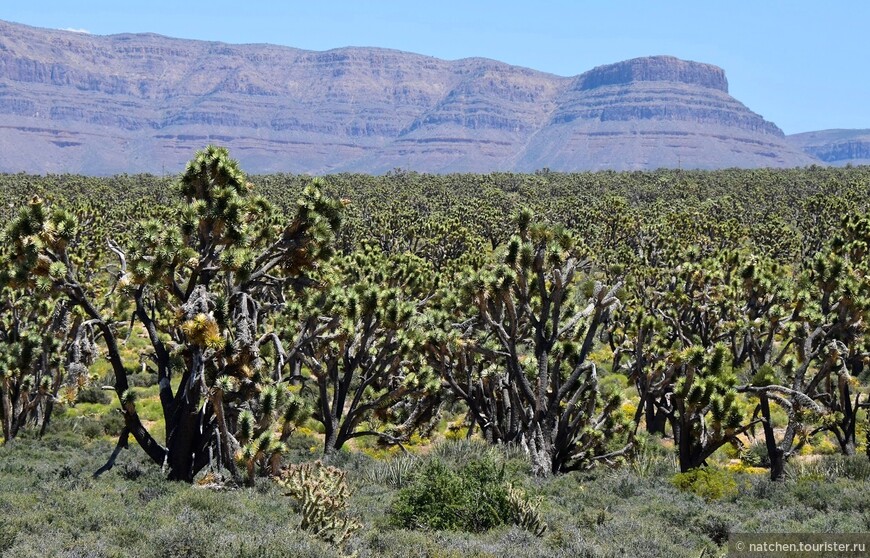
[90, 427]
[142, 379]
[278, 544]
[474, 497]
[825, 446]
[829, 468]
[93, 425]
[9, 529]
[488, 494]
[456, 432]
[712, 524]
[435, 499]
[626, 485]
[457, 453]
[151, 491]
[755, 456]
[182, 541]
[818, 495]
[506, 541]
[93, 394]
[708, 483]
[835, 522]
[762, 488]
[626, 534]
[525, 511]
[301, 446]
[355, 463]
[652, 459]
[112, 422]
[593, 518]
[855, 467]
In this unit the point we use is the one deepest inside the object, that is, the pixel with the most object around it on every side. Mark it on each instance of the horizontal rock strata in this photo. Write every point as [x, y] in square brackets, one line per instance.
[72, 102]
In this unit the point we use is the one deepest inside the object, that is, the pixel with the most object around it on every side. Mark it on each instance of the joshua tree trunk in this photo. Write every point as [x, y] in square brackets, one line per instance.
[774, 452]
[6, 408]
[656, 419]
[689, 456]
[182, 444]
[540, 451]
[845, 430]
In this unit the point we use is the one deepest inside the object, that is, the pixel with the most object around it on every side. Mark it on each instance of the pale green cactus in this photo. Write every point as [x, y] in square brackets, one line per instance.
[322, 493]
[525, 511]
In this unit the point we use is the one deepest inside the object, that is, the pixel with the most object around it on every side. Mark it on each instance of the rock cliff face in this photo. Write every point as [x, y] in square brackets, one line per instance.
[655, 68]
[835, 147]
[656, 112]
[143, 103]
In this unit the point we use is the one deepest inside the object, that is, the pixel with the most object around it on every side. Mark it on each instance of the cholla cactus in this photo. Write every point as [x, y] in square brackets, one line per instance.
[322, 493]
[525, 511]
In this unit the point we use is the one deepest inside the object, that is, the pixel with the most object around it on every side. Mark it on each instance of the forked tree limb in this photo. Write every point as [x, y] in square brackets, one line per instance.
[123, 443]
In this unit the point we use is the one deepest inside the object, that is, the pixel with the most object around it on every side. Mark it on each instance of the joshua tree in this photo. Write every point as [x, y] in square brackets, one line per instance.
[823, 349]
[525, 370]
[35, 334]
[204, 292]
[676, 340]
[359, 339]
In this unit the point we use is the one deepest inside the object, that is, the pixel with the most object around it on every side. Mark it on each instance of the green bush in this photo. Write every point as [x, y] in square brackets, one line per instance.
[113, 423]
[713, 525]
[755, 456]
[474, 498]
[708, 483]
[93, 394]
[91, 427]
[142, 379]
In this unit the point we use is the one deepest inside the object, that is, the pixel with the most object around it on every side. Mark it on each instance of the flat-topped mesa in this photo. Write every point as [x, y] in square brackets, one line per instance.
[654, 68]
[92, 104]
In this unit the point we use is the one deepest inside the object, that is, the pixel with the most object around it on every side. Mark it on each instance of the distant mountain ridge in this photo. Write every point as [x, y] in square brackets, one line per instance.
[72, 102]
[835, 147]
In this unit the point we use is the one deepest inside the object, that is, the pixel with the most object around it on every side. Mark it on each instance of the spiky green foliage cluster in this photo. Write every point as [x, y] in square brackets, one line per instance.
[39, 237]
[263, 429]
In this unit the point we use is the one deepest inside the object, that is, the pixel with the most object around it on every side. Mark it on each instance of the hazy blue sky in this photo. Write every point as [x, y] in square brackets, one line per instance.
[804, 65]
